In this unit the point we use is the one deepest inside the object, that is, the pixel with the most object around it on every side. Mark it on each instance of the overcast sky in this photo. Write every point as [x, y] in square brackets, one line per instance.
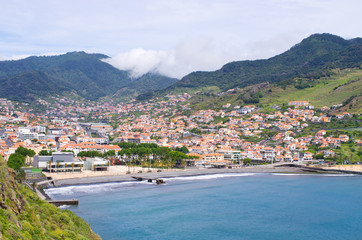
[172, 37]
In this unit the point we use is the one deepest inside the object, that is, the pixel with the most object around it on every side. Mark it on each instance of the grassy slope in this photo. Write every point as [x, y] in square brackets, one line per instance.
[23, 215]
[350, 152]
[329, 91]
[213, 102]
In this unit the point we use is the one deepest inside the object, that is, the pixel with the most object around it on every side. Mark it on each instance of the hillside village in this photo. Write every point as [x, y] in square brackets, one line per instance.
[229, 137]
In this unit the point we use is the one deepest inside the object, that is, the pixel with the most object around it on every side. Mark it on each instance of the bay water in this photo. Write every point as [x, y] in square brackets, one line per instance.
[223, 206]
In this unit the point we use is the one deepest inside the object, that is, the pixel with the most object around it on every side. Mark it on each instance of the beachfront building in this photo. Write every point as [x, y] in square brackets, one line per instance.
[230, 154]
[221, 163]
[96, 164]
[205, 160]
[268, 154]
[58, 162]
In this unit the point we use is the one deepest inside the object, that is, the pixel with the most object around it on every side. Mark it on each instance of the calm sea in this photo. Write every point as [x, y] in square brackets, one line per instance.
[225, 206]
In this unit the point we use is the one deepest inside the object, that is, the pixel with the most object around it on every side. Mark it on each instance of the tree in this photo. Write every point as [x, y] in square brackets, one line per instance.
[45, 153]
[16, 161]
[110, 153]
[162, 152]
[20, 175]
[68, 151]
[125, 145]
[128, 154]
[247, 160]
[177, 158]
[182, 149]
[34, 185]
[196, 131]
[25, 151]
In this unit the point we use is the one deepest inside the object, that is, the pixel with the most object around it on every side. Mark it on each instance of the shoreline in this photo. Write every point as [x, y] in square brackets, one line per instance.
[88, 180]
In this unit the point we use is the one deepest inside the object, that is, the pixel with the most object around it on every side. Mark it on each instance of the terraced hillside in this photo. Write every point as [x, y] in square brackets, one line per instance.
[342, 87]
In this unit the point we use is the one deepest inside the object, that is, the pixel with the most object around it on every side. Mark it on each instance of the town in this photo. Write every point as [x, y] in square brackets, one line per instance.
[67, 135]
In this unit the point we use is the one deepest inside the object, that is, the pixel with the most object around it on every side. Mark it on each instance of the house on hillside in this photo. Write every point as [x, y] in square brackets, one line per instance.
[298, 103]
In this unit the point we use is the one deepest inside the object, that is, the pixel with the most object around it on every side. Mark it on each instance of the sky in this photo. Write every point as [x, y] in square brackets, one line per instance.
[171, 37]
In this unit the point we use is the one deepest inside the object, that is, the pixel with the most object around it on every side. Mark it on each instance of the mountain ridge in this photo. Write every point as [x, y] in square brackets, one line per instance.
[85, 74]
[311, 57]
[90, 77]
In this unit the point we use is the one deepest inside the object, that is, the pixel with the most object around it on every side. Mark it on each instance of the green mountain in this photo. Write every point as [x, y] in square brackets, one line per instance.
[312, 58]
[342, 87]
[84, 74]
[23, 215]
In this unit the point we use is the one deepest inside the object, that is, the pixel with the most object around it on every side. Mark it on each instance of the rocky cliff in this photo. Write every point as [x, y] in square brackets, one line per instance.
[23, 215]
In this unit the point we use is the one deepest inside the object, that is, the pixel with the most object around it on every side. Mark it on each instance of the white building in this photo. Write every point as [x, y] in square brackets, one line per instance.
[230, 154]
[58, 162]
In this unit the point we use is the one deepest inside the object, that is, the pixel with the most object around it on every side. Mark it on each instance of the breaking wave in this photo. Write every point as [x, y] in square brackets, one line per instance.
[91, 188]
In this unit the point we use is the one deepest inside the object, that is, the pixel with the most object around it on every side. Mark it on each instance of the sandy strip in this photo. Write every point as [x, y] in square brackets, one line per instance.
[93, 178]
[356, 168]
[113, 171]
[119, 173]
[114, 174]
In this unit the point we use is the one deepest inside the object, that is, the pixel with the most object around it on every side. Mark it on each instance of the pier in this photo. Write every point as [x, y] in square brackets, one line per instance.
[157, 180]
[46, 182]
[64, 202]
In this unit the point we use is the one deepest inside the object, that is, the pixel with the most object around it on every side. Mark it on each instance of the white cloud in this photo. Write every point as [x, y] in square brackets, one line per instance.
[197, 54]
[192, 55]
[149, 31]
[139, 61]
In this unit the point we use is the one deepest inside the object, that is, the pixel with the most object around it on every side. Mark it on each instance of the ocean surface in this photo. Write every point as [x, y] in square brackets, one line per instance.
[224, 206]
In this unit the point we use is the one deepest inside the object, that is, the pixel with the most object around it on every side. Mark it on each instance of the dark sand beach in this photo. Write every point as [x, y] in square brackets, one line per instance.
[58, 182]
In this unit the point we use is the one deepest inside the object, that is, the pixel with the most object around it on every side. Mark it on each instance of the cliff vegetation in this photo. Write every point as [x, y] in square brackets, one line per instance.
[23, 215]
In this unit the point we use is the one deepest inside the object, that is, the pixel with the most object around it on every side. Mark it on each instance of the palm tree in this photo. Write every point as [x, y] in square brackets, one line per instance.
[128, 154]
